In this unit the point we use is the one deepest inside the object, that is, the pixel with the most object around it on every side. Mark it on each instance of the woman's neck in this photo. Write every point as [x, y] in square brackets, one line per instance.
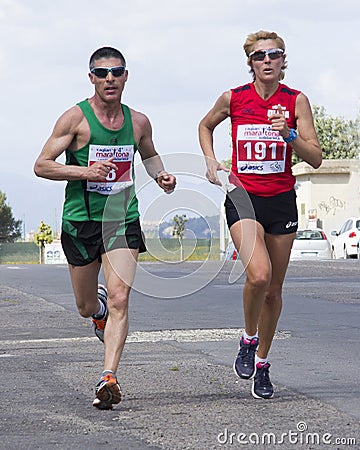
[266, 90]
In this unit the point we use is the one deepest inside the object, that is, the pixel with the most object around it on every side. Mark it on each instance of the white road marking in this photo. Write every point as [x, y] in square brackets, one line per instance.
[194, 335]
[197, 335]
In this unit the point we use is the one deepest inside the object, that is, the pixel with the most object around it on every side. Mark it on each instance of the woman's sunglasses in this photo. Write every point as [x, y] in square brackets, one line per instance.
[273, 53]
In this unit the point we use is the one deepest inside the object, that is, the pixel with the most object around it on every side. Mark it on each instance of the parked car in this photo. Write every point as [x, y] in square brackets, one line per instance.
[346, 243]
[231, 253]
[311, 244]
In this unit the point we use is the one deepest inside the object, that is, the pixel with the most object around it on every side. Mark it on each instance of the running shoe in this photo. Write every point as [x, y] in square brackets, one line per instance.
[108, 392]
[244, 365]
[99, 324]
[262, 387]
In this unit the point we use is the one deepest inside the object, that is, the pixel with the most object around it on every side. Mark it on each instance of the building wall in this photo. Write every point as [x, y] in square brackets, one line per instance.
[54, 254]
[329, 195]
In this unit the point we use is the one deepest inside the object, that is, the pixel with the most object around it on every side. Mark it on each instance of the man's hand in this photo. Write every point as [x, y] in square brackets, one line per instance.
[100, 170]
[166, 181]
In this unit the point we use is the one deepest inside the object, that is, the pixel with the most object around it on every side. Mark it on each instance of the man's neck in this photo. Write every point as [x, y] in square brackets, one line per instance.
[109, 114]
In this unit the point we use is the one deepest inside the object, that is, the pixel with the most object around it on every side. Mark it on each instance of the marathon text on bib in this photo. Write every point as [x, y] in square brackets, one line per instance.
[119, 179]
[260, 149]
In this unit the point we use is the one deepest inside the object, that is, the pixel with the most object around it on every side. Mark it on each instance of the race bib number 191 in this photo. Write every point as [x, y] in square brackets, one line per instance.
[260, 149]
[118, 179]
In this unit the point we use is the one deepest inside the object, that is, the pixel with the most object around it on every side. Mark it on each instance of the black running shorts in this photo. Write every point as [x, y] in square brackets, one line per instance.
[85, 242]
[277, 214]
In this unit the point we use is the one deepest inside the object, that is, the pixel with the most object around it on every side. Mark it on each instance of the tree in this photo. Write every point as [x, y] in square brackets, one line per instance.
[227, 163]
[43, 236]
[10, 229]
[179, 231]
[339, 138]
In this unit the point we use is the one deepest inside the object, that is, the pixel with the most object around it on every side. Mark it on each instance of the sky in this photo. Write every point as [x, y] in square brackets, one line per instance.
[181, 56]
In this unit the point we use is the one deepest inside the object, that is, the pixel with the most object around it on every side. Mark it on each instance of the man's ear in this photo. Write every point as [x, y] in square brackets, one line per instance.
[91, 77]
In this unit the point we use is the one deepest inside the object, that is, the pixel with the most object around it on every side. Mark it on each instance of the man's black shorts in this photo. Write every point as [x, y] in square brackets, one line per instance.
[277, 214]
[85, 242]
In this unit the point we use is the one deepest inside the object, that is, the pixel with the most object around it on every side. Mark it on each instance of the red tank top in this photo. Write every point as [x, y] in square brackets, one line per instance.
[261, 159]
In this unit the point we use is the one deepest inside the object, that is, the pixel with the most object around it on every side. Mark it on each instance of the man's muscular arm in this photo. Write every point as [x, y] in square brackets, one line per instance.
[63, 135]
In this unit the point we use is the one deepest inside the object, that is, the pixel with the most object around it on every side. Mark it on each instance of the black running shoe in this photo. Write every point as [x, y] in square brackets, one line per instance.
[262, 387]
[244, 365]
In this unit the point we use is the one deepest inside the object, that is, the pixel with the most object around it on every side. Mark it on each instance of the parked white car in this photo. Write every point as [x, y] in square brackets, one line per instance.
[231, 253]
[346, 244]
[309, 244]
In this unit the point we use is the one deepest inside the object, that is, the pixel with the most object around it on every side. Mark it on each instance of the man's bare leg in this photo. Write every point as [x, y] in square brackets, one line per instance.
[84, 281]
[119, 270]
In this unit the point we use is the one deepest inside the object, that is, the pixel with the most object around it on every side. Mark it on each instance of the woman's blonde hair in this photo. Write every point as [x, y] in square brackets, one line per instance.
[263, 35]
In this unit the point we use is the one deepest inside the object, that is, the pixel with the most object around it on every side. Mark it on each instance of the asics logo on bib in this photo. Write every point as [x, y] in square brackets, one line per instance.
[257, 167]
[105, 188]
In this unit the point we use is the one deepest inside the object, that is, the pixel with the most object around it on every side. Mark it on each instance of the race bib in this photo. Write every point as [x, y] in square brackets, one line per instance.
[260, 149]
[119, 179]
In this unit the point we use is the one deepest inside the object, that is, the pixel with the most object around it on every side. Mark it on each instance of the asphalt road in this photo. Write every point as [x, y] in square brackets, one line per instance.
[176, 371]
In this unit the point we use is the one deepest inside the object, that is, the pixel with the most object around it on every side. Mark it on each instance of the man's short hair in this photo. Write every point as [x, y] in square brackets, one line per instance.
[106, 52]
